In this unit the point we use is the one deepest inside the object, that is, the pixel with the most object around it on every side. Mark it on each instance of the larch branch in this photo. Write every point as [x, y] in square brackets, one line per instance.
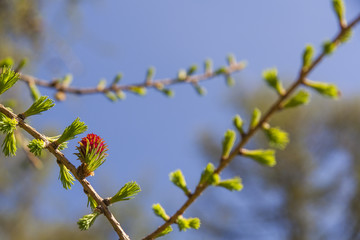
[191, 79]
[224, 162]
[60, 157]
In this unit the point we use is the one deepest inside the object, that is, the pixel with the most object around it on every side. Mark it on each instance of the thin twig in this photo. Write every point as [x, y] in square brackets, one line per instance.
[247, 136]
[60, 156]
[234, 67]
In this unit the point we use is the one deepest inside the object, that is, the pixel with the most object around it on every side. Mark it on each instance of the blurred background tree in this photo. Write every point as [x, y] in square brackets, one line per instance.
[21, 28]
[312, 193]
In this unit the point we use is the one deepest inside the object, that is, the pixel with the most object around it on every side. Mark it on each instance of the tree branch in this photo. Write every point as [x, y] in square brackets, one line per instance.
[60, 157]
[192, 79]
[247, 136]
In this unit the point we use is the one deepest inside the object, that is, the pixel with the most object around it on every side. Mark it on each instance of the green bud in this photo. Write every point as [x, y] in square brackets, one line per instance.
[214, 179]
[339, 8]
[65, 177]
[228, 143]
[185, 224]
[87, 221]
[233, 184]
[325, 89]
[166, 231]
[7, 125]
[182, 75]
[271, 78]
[120, 94]
[43, 104]
[111, 96]
[207, 172]
[9, 144]
[238, 123]
[182, 223]
[208, 66]
[208, 176]
[178, 179]
[266, 157]
[200, 90]
[194, 223]
[255, 118]
[193, 68]
[34, 91]
[160, 212]
[231, 59]
[21, 64]
[101, 85]
[300, 98]
[230, 81]
[7, 79]
[308, 56]
[117, 78]
[221, 70]
[150, 74]
[346, 36]
[71, 131]
[36, 146]
[127, 192]
[67, 80]
[91, 202]
[277, 137]
[168, 92]
[138, 90]
[7, 62]
[329, 47]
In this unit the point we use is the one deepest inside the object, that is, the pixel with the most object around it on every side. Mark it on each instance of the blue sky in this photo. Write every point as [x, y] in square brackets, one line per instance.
[151, 136]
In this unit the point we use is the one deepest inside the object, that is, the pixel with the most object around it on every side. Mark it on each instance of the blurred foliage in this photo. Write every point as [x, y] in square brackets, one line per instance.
[21, 27]
[314, 190]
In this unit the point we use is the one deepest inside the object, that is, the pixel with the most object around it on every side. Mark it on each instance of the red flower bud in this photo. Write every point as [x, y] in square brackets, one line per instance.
[91, 152]
[92, 141]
